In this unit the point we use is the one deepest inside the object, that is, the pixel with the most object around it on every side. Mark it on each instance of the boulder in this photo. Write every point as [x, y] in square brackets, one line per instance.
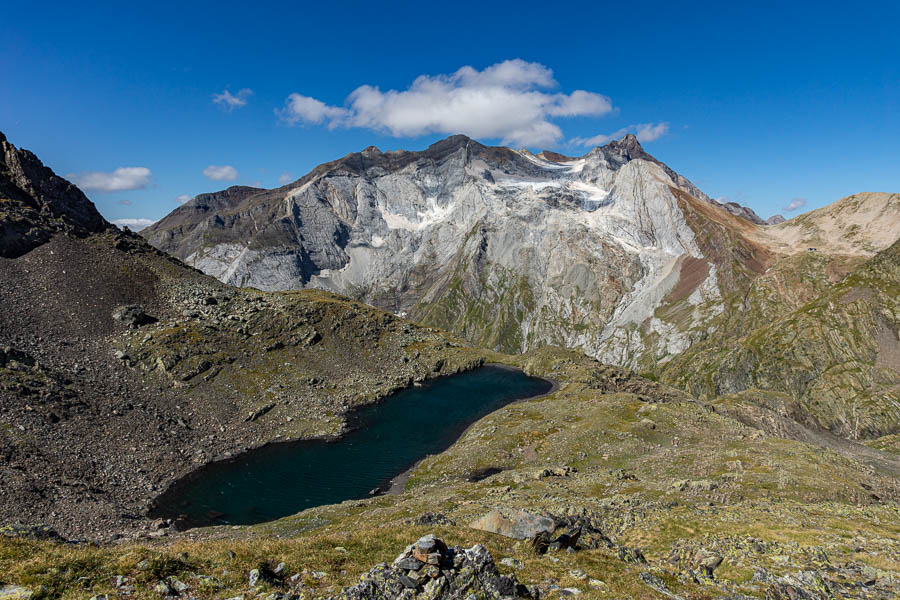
[515, 523]
[133, 315]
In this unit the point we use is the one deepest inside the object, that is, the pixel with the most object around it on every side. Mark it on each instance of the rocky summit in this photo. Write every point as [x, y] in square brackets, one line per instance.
[722, 423]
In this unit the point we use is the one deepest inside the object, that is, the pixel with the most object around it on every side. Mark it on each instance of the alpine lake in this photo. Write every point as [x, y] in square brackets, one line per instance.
[385, 440]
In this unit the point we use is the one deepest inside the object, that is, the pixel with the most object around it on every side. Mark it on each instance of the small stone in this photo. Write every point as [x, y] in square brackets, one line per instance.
[179, 586]
[408, 564]
[432, 558]
[709, 562]
[511, 562]
[253, 580]
[15, 592]
[426, 543]
[435, 587]
[430, 572]
[578, 574]
[162, 589]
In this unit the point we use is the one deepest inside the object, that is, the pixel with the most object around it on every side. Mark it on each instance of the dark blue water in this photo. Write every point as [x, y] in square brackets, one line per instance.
[388, 438]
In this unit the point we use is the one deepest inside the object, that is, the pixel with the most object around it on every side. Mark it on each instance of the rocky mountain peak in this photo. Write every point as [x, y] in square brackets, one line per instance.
[629, 146]
[450, 145]
[623, 150]
[38, 203]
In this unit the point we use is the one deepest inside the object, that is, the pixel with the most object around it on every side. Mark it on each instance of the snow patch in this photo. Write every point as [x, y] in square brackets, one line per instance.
[432, 215]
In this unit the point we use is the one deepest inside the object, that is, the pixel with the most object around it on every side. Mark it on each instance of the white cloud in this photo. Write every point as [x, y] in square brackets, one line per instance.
[795, 204]
[285, 178]
[648, 132]
[229, 101]
[133, 224]
[183, 198]
[120, 180]
[223, 173]
[508, 100]
[303, 109]
[645, 132]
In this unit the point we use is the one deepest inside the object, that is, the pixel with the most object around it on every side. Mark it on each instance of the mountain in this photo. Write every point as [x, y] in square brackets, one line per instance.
[509, 249]
[613, 252]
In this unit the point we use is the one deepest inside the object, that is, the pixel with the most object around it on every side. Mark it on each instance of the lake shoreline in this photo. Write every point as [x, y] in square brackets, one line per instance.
[217, 493]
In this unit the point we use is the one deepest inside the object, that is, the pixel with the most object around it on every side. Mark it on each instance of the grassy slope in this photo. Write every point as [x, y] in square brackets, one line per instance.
[819, 343]
[655, 470]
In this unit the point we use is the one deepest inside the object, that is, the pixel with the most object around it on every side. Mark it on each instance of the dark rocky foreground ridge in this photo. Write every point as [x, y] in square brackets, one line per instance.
[37, 204]
[122, 369]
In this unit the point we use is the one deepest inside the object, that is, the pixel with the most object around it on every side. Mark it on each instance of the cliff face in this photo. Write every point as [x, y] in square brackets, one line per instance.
[510, 249]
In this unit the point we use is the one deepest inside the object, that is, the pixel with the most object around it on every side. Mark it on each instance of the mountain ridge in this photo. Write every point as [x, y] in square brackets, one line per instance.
[326, 229]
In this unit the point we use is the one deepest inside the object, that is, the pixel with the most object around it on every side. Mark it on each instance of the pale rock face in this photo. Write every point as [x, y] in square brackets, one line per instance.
[509, 249]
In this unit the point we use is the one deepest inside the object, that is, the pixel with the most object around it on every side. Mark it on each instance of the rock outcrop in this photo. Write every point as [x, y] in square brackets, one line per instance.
[35, 203]
[430, 570]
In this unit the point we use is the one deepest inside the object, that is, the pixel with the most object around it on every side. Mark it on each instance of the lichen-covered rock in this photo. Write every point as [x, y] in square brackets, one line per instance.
[15, 592]
[452, 573]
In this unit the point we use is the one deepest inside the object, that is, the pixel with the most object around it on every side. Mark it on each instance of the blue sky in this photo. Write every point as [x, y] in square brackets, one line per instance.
[764, 104]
